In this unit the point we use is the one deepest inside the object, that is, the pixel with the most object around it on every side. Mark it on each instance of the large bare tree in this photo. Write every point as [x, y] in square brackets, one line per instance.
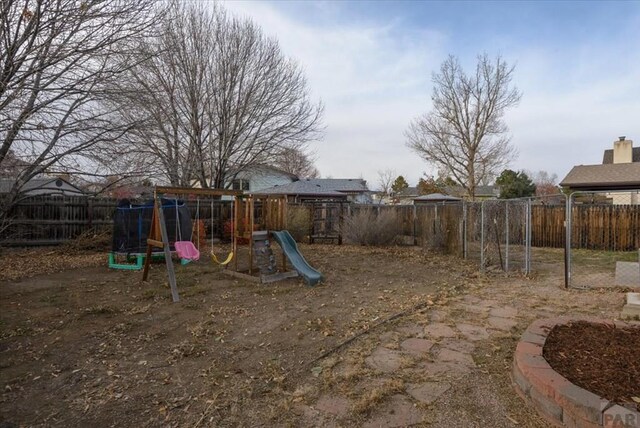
[56, 67]
[464, 135]
[216, 96]
[296, 161]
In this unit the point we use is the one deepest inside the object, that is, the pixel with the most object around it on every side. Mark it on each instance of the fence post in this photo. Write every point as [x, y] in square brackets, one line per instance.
[340, 222]
[414, 231]
[506, 233]
[482, 236]
[312, 225]
[89, 212]
[464, 230]
[567, 244]
[528, 239]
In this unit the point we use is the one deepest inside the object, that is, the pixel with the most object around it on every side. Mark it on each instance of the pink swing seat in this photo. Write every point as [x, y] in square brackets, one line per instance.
[186, 250]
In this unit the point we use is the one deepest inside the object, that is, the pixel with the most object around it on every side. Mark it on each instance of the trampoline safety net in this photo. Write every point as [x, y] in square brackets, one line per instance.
[131, 224]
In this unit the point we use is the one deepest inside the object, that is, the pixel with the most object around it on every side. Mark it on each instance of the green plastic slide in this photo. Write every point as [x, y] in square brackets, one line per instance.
[290, 249]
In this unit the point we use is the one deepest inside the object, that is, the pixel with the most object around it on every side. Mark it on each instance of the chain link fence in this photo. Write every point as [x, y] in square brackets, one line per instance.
[588, 239]
[496, 234]
[547, 252]
[604, 239]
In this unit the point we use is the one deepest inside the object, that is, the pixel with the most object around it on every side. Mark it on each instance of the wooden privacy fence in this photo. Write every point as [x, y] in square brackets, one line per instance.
[594, 227]
[605, 227]
[50, 220]
[449, 226]
[547, 226]
[439, 226]
[46, 220]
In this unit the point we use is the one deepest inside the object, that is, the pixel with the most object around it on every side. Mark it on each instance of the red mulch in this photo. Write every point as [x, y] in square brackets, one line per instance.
[600, 358]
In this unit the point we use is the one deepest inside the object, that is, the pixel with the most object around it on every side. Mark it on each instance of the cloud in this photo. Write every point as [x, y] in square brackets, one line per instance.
[576, 102]
[373, 78]
[373, 75]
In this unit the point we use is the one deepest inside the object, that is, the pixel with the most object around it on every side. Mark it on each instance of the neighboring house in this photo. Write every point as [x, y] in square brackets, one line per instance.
[43, 186]
[343, 189]
[355, 188]
[302, 191]
[487, 192]
[618, 175]
[435, 198]
[255, 178]
[259, 177]
[405, 196]
[379, 198]
[483, 193]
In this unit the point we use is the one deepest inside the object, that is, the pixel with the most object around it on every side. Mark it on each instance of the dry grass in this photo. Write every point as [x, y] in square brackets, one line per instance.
[299, 222]
[375, 395]
[366, 227]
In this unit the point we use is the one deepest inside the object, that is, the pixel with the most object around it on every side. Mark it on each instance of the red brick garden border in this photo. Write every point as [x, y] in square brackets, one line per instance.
[555, 398]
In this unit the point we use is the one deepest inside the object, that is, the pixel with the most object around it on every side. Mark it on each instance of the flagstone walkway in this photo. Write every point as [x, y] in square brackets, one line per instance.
[445, 366]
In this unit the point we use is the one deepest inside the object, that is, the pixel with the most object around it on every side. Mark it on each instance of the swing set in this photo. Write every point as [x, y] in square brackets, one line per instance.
[186, 250]
[252, 217]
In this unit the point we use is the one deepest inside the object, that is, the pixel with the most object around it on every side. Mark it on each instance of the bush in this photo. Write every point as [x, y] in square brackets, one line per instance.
[368, 227]
[299, 222]
[95, 239]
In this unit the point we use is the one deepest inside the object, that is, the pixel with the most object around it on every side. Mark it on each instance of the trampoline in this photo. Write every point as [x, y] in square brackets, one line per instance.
[131, 225]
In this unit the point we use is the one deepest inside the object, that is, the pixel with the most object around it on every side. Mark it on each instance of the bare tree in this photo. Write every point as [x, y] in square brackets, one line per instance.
[295, 161]
[465, 134]
[216, 96]
[56, 66]
[385, 182]
[546, 184]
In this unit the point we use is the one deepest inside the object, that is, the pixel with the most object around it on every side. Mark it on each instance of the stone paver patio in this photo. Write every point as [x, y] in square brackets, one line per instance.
[440, 356]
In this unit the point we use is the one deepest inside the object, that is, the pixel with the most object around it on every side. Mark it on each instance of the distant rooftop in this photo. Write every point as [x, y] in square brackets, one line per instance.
[436, 197]
[340, 184]
[325, 187]
[50, 184]
[620, 175]
[302, 187]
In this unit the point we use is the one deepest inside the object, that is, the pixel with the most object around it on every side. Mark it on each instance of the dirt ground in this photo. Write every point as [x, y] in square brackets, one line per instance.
[84, 345]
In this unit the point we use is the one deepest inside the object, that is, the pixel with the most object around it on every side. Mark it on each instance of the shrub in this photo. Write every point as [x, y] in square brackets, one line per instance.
[299, 222]
[368, 227]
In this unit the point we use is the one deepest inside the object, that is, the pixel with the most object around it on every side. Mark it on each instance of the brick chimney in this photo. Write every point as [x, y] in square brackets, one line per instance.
[622, 150]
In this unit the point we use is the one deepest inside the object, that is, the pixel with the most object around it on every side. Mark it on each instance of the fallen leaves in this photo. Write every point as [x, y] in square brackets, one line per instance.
[21, 263]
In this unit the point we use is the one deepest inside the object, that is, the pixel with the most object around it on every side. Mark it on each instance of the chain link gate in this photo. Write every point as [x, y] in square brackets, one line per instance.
[503, 229]
[525, 235]
[604, 239]
[547, 253]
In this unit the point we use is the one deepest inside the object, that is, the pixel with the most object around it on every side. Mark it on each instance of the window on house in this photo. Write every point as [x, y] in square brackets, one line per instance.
[240, 184]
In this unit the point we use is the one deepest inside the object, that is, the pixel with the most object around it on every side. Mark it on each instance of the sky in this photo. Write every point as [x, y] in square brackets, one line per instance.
[371, 64]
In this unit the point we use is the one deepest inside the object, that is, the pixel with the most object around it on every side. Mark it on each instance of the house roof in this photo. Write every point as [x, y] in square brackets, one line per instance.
[348, 185]
[302, 187]
[608, 155]
[608, 176]
[433, 197]
[481, 191]
[46, 183]
[409, 191]
[324, 187]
